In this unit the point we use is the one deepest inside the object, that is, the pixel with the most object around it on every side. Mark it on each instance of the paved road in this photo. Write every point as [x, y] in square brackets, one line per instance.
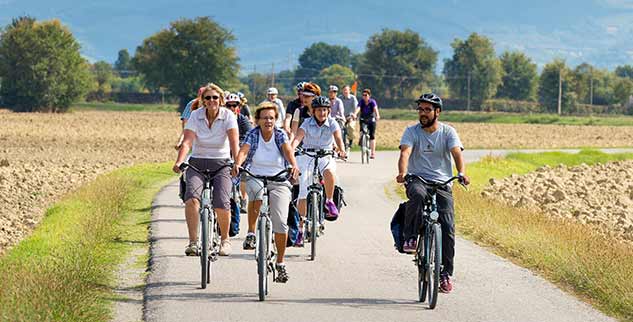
[357, 275]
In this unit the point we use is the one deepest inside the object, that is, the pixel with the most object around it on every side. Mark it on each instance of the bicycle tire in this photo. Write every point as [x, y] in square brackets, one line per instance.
[422, 284]
[435, 263]
[204, 251]
[362, 149]
[314, 224]
[262, 270]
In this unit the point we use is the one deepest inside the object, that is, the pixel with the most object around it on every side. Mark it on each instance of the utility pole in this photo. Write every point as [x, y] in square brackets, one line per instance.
[560, 89]
[468, 104]
[273, 72]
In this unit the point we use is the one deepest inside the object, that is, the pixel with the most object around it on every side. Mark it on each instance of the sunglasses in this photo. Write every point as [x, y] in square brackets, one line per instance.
[214, 97]
[365, 94]
[425, 109]
[231, 105]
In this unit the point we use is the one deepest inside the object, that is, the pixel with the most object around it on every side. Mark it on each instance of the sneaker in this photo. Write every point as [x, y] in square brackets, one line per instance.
[410, 246]
[192, 249]
[225, 248]
[373, 156]
[446, 286]
[299, 242]
[249, 242]
[331, 213]
[243, 206]
[282, 274]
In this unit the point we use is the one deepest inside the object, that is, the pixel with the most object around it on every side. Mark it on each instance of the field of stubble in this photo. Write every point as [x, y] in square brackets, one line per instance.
[43, 156]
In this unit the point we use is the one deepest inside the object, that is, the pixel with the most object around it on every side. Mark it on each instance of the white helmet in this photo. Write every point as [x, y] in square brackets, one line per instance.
[272, 90]
[300, 86]
[232, 98]
[333, 88]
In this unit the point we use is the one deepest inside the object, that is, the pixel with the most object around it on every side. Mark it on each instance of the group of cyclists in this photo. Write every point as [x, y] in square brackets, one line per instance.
[219, 127]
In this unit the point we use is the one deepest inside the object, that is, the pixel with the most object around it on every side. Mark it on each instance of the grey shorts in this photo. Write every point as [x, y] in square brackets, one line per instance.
[279, 200]
[221, 183]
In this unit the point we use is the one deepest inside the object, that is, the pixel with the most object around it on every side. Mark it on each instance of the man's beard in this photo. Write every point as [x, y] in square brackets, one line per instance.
[429, 122]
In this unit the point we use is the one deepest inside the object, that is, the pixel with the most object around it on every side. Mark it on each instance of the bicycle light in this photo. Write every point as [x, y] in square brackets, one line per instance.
[434, 215]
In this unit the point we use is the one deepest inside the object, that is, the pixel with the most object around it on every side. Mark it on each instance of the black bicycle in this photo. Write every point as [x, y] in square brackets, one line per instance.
[428, 255]
[365, 150]
[209, 230]
[315, 201]
[265, 249]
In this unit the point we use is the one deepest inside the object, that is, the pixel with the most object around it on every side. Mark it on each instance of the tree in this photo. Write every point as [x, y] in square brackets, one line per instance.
[624, 71]
[188, 54]
[395, 62]
[474, 62]
[40, 66]
[123, 64]
[622, 90]
[336, 75]
[548, 86]
[520, 79]
[318, 56]
[103, 75]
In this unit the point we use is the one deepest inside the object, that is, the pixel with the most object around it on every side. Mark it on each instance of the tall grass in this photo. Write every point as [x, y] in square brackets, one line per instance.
[65, 270]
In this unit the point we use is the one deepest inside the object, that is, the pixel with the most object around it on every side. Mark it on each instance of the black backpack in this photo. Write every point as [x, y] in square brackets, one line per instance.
[397, 227]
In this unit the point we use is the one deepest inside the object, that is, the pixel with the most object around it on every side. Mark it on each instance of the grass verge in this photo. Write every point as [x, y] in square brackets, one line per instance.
[596, 268]
[513, 118]
[110, 106]
[66, 270]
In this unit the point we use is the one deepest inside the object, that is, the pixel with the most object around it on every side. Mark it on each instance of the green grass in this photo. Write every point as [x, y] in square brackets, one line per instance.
[66, 270]
[594, 267]
[512, 118]
[97, 106]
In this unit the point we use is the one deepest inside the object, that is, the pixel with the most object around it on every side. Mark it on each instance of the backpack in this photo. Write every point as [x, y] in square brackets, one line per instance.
[338, 198]
[234, 227]
[397, 227]
[293, 218]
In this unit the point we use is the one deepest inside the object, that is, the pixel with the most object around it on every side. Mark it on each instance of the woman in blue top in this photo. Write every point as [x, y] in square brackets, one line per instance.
[368, 109]
[318, 132]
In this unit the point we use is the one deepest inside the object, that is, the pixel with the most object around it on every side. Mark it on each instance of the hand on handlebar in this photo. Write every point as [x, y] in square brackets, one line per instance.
[464, 180]
[235, 170]
[176, 168]
[400, 178]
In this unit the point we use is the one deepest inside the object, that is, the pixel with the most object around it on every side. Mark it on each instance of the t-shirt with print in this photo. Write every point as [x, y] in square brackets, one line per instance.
[319, 137]
[211, 143]
[431, 152]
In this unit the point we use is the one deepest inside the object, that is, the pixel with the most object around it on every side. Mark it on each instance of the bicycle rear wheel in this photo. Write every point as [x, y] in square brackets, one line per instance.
[314, 223]
[262, 252]
[204, 251]
[435, 263]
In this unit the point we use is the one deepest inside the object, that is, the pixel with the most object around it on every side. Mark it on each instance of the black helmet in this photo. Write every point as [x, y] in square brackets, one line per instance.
[321, 101]
[430, 98]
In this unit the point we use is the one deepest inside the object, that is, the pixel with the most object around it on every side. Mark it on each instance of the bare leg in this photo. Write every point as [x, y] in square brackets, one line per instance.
[329, 183]
[372, 144]
[224, 219]
[280, 242]
[192, 207]
[253, 211]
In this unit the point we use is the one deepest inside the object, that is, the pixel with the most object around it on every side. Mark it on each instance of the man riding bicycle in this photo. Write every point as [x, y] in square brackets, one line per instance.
[425, 150]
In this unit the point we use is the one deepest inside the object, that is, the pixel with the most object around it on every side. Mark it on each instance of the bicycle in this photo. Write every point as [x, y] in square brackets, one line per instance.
[364, 142]
[209, 230]
[428, 254]
[315, 200]
[264, 248]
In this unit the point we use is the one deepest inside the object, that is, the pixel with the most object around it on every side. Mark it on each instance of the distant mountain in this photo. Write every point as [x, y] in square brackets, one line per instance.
[596, 31]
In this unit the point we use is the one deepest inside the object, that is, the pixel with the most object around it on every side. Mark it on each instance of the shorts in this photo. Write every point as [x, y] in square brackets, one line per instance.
[306, 165]
[279, 197]
[371, 128]
[221, 183]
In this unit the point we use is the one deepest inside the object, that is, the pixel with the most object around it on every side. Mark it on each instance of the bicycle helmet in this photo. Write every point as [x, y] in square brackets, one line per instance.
[300, 86]
[431, 98]
[333, 88]
[232, 98]
[321, 101]
[240, 95]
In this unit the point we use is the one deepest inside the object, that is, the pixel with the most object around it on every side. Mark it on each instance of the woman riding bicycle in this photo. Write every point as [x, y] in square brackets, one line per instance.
[212, 133]
[265, 152]
[318, 133]
[369, 115]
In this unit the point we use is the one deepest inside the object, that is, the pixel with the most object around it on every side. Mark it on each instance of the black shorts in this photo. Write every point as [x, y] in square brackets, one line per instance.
[371, 128]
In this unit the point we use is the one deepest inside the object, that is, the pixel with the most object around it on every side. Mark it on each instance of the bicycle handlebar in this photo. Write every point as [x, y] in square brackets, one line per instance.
[276, 178]
[319, 153]
[410, 176]
[184, 166]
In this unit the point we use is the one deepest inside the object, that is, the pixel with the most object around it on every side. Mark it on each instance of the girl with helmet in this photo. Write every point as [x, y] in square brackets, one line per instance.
[310, 90]
[318, 132]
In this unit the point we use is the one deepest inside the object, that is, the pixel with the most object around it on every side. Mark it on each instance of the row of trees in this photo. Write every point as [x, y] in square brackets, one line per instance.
[41, 68]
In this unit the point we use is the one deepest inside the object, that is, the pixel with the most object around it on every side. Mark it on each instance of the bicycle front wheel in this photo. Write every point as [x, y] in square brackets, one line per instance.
[420, 262]
[435, 263]
[262, 253]
[314, 223]
[204, 251]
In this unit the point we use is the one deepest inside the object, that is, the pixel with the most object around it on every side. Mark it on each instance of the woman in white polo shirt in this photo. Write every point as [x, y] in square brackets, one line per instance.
[212, 132]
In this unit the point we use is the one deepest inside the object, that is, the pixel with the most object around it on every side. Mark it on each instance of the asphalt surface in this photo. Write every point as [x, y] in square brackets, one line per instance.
[357, 275]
